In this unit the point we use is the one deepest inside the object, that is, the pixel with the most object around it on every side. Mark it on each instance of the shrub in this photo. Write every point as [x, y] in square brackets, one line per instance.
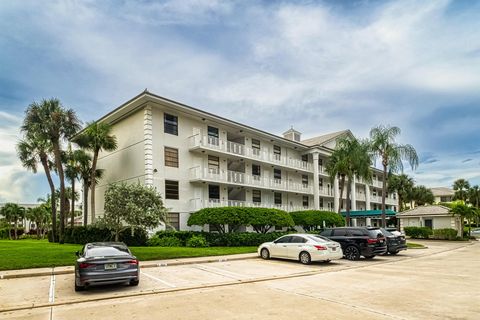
[170, 241]
[445, 234]
[4, 232]
[311, 220]
[197, 242]
[418, 232]
[263, 219]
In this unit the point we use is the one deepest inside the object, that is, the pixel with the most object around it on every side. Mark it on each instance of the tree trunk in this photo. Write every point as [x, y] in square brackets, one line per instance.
[73, 204]
[342, 186]
[15, 230]
[349, 190]
[92, 185]
[384, 189]
[58, 163]
[85, 200]
[44, 161]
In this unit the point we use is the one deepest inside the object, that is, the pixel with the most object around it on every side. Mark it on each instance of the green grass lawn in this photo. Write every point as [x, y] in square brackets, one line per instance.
[412, 245]
[22, 254]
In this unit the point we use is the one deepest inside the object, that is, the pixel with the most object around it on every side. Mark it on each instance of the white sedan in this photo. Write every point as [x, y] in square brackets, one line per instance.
[303, 247]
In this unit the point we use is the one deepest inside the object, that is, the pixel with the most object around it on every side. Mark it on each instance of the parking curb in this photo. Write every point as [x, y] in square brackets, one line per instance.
[145, 265]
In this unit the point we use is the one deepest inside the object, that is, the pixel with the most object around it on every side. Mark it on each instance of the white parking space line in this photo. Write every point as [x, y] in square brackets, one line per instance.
[159, 280]
[218, 272]
[238, 275]
[51, 292]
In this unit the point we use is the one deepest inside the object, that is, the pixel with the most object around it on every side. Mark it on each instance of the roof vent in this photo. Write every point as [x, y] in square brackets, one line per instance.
[292, 134]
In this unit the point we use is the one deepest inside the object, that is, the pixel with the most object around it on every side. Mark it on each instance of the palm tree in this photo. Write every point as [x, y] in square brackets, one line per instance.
[96, 137]
[54, 123]
[13, 213]
[337, 166]
[461, 187]
[391, 154]
[402, 184]
[422, 195]
[474, 195]
[40, 216]
[72, 171]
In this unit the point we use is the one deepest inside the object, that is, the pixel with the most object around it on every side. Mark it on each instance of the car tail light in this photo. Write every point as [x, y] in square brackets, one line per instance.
[370, 241]
[84, 265]
[134, 261]
[320, 247]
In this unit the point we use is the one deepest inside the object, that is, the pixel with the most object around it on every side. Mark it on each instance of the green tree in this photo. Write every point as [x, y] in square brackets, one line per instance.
[422, 195]
[132, 205]
[13, 213]
[50, 121]
[391, 154]
[40, 215]
[233, 217]
[464, 212]
[403, 185]
[337, 166]
[72, 172]
[34, 149]
[96, 137]
[263, 219]
[311, 220]
[461, 187]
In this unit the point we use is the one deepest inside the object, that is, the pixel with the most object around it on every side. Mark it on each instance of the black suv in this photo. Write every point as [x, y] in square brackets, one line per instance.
[358, 241]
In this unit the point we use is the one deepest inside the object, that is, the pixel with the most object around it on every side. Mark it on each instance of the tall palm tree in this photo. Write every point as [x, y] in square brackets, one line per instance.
[13, 213]
[31, 151]
[337, 166]
[391, 154]
[402, 184]
[474, 195]
[72, 171]
[461, 187]
[52, 122]
[96, 137]
[422, 195]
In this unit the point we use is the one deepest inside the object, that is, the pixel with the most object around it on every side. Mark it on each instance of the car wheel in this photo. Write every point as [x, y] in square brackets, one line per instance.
[79, 288]
[134, 282]
[352, 253]
[305, 257]
[393, 252]
[265, 254]
[369, 257]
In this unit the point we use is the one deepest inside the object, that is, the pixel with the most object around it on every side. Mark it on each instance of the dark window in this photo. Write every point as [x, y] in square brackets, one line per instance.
[356, 232]
[429, 223]
[171, 189]
[326, 233]
[213, 136]
[305, 180]
[305, 157]
[213, 192]
[321, 203]
[256, 196]
[339, 232]
[171, 157]
[320, 182]
[171, 124]
[305, 201]
[277, 174]
[256, 170]
[256, 146]
[277, 197]
[296, 239]
[213, 164]
[106, 251]
[173, 219]
[285, 239]
[277, 152]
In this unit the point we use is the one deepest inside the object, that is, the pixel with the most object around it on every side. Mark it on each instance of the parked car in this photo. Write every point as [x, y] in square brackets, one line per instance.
[395, 243]
[394, 231]
[303, 247]
[358, 241]
[105, 263]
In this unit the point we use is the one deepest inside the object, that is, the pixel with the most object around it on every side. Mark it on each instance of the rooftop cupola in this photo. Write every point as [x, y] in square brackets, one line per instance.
[292, 134]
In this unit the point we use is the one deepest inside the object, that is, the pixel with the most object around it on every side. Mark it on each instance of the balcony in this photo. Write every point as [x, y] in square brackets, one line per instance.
[360, 196]
[326, 192]
[199, 203]
[239, 178]
[197, 142]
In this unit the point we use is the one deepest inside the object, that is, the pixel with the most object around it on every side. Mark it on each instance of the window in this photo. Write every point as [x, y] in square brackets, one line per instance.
[256, 196]
[171, 157]
[320, 182]
[356, 233]
[339, 232]
[277, 174]
[213, 164]
[173, 219]
[305, 157]
[305, 201]
[277, 198]
[285, 239]
[256, 146]
[321, 203]
[304, 180]
[277, 152]
[213, 136]
[171, 189]
[256, 171]
[213, 192]
[320, 162]
[296, 239]
[170, 124]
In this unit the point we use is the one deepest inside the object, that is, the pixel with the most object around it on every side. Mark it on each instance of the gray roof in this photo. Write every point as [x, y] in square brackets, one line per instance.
[434, 210]
[442, 191]
[321, 140]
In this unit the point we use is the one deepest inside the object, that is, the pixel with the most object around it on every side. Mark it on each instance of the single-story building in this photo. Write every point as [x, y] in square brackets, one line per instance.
[368, 218]
[433, 216]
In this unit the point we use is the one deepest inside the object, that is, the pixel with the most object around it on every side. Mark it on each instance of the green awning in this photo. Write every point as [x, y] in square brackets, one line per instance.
[369, 213]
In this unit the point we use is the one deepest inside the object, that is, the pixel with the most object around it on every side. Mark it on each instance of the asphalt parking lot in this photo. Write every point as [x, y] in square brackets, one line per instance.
[440, 282]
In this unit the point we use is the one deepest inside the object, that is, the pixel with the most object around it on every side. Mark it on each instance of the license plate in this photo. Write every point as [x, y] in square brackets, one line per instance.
[334, 249]
[110, 266]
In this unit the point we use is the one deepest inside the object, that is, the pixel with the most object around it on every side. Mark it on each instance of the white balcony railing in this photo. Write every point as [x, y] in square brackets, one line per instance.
[199, 203]
[264, 155]
[240, 178]
[325, 191]
[360, 196]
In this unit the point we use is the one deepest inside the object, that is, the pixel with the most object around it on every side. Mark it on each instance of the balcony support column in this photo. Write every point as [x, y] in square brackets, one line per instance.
[367, 197]
[336, 195]
[316, 182]
[354, 194]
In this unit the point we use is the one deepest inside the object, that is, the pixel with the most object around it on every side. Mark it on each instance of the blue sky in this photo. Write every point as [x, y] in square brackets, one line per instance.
[320, 66]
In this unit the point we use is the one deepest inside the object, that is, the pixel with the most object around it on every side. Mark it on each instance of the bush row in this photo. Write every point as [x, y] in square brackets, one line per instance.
[82, 235]
[418, 232]
[235, 239]
[445, 234]
[4, 232]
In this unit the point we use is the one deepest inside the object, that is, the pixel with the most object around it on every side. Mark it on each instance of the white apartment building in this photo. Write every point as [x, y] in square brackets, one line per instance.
[196, 159]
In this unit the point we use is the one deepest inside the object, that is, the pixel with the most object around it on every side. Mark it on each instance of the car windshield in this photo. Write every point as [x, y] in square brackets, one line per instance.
[318, 238]
[375, 233]
[386, 232]
[107, 252]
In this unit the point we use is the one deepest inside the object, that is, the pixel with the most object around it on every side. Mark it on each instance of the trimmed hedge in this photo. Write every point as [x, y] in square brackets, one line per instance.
[235, 239]
[4, 232]
[445, 234]
[82, 235]
[311, 220]
[168, 241]
[418, 232]
[197, 242]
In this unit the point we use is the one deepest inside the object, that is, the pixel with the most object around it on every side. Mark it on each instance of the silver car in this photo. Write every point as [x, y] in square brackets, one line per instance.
[105, 263]
[303, 247]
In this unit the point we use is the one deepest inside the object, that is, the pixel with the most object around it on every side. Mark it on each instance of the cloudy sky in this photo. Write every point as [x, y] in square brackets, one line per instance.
[320, 66]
